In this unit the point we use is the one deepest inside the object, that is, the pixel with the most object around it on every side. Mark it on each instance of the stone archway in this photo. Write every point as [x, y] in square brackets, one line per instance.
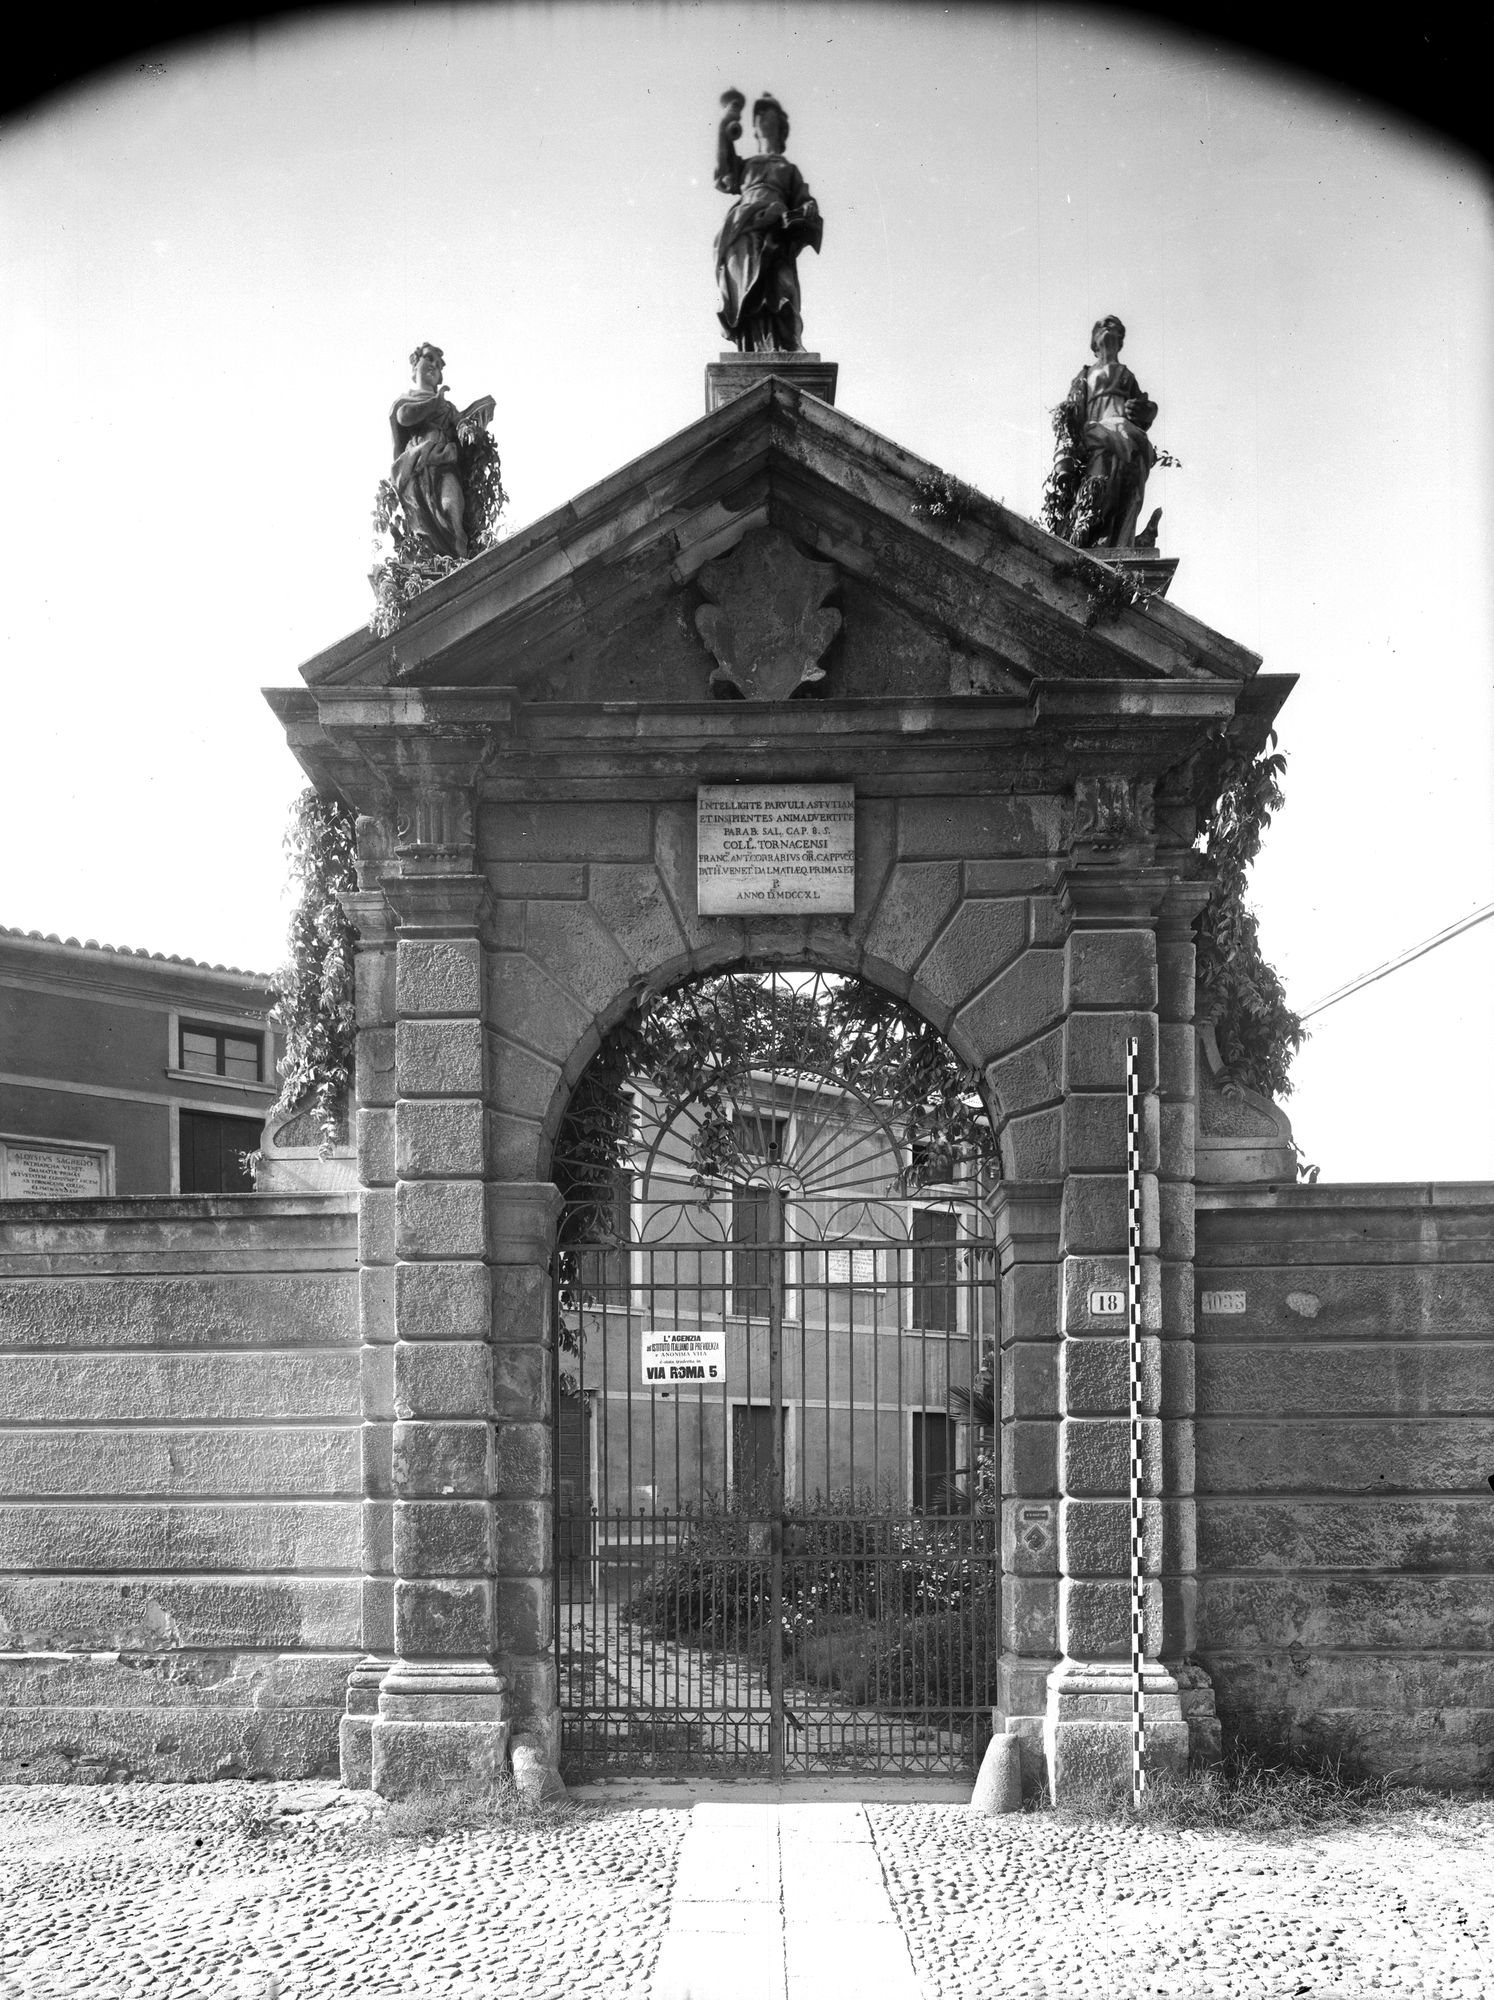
[765, 1240]
[527, 773]
[501, 936]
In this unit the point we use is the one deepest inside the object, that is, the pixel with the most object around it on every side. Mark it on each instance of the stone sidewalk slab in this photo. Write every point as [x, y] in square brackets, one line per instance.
[781, 1899]
[758, 1920]
[849, 1961]
[696, 1967]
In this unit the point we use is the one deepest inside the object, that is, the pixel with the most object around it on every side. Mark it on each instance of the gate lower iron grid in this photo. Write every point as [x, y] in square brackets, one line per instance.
[790, 1567]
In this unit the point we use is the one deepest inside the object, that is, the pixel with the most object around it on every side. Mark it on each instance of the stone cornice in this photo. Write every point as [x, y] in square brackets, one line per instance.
[379, 748]
[438, 905]
[1103, 896]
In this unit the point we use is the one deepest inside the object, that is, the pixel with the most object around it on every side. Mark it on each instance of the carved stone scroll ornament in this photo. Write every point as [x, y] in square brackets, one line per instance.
[768, 626]
[1112, 811]
[433, 822]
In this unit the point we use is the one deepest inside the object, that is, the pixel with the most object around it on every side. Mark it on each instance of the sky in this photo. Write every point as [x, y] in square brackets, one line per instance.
[219, 254]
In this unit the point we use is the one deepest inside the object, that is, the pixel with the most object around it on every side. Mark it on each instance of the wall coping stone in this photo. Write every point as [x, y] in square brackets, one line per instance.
[1317, 1196]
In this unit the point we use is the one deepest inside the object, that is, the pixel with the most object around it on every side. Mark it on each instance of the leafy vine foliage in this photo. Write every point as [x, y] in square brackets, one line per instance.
[696, 1045]
[1061, 488]
[1239, 992]
[314, 988]
[406, 566]
[945, 499]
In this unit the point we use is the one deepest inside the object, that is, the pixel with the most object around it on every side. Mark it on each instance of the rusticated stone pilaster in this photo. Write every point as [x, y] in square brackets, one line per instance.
[442, 1719]
[1111, 900]
[522, 1218]
[1026, 1226]
[374, 1126]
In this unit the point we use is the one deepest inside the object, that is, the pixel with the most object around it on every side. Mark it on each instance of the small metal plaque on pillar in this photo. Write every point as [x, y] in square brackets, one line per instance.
[788, 849]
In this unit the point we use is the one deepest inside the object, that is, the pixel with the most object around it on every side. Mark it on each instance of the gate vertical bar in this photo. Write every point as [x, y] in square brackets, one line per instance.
[775, 1522]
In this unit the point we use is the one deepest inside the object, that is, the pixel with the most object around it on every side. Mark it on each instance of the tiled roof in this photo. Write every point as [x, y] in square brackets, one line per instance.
[130, 951]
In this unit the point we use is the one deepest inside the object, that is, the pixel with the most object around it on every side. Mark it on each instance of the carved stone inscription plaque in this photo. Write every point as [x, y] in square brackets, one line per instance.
[47, 1173]
[786, 848]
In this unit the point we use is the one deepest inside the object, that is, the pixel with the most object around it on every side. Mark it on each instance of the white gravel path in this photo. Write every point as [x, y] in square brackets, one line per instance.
[241, 1892]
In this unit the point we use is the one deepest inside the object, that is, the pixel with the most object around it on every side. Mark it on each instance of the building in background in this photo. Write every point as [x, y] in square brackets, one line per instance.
[885, 1295]
[127, 1072]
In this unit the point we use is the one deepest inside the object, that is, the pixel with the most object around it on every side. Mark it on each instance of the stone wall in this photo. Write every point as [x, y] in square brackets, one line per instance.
[1345, 1443]
[180, 1526]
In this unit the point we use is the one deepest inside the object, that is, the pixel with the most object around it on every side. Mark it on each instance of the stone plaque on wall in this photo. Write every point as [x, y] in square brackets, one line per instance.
[49, 1173]
[790, 849]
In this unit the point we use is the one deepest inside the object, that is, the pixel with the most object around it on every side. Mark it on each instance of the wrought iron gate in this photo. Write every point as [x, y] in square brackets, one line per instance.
[776, 1541]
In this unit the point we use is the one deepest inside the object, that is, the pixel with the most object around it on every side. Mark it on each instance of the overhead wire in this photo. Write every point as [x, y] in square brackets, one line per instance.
[1404, 958]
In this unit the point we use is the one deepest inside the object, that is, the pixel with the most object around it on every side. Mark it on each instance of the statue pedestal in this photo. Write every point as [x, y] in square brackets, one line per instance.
[1144, 566]
[734, 374]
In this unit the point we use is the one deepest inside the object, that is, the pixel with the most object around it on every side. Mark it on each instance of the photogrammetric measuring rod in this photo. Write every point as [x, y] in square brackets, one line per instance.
[1133, 1341]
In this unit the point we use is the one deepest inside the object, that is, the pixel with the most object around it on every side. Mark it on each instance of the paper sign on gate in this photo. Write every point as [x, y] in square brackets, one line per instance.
[671, 1358]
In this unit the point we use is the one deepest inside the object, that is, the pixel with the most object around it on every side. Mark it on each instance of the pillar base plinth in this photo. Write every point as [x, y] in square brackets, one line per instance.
[442, 1729]
[355, 1730]
[1088, 1729]
[1196, 1695]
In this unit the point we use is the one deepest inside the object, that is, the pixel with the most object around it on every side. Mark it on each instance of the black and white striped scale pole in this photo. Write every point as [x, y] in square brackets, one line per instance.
[1133, 1335]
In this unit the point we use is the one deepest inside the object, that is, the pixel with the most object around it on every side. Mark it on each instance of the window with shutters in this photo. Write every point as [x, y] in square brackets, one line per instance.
[935, 1269]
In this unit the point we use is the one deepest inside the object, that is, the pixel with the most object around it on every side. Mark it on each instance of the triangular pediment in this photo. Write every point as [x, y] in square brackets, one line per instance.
[889, 578]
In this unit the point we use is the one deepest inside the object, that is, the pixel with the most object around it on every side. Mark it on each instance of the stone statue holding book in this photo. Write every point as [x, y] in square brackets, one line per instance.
[428, 431]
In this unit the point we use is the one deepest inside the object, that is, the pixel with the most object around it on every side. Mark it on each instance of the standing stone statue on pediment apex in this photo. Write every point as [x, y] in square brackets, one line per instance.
[773, 218]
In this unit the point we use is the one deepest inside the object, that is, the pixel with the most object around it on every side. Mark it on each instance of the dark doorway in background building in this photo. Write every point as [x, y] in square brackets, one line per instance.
[212, 1152]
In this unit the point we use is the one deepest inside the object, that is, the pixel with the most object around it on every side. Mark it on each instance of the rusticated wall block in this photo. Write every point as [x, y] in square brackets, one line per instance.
[1095, 1455]
[443, 1378]
[440, 1137]
[1110, 969]
[439, 1058]
[1029, 1613]
[443, 1618]
[439, 977]
[443, 1301]
[441, 1538]
[450, 1459]
[1095, 1050]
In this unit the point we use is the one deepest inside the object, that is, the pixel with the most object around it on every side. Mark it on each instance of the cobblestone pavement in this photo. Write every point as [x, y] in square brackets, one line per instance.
[244, 1892]
[1031, 1905]
[213, 1892]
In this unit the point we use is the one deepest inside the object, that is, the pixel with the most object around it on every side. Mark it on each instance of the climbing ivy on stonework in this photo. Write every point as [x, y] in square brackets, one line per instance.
[1108, 591]
[407, 567]
[314, 988]
[1239, 992]
[940, 497]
